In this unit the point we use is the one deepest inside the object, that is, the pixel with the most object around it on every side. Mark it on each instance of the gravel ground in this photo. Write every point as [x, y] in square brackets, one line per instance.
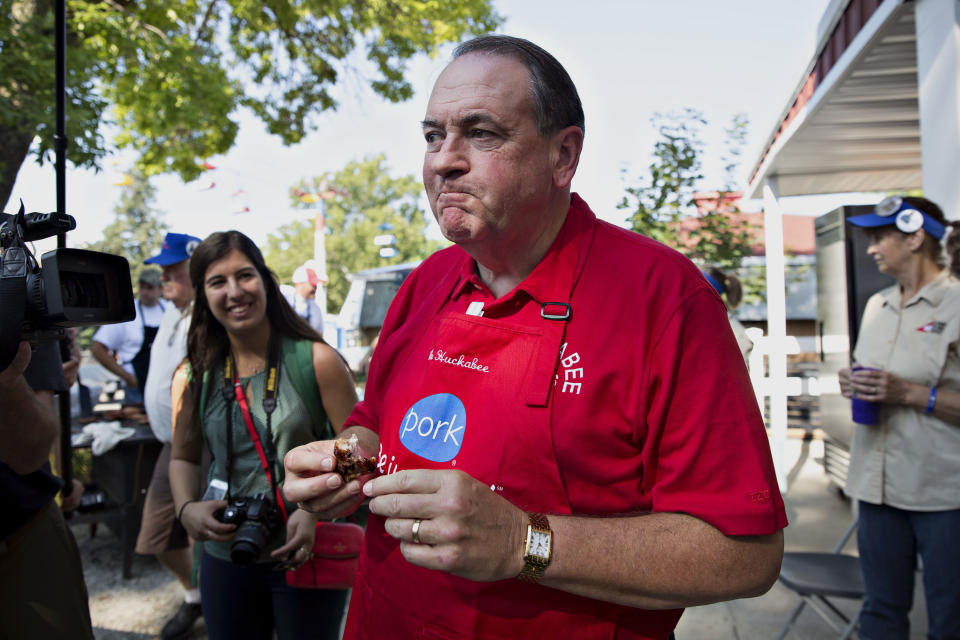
[126, 609]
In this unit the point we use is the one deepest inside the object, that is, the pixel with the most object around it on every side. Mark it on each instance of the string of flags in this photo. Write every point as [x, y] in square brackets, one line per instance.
[126, 180]
[316, 193]
[321, 194]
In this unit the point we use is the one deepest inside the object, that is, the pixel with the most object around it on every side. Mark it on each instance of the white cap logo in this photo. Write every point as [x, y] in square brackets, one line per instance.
[909, 220]
[191, 245]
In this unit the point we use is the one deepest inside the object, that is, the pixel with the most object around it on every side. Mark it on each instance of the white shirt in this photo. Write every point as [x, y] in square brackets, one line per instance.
[743, 340]
[126, 338]
[169, 349]
[309, 310]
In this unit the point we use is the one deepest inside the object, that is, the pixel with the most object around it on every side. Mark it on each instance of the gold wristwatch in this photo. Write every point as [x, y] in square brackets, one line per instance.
[537, 549]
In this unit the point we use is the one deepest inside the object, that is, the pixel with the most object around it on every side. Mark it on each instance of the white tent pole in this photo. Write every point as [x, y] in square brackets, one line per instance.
[938, 73]
[776, 327]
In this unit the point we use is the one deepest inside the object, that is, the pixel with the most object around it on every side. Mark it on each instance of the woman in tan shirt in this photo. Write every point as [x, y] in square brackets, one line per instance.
[904, 468]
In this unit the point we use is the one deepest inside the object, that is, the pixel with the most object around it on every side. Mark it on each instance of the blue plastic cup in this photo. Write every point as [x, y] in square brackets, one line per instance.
[865, 411]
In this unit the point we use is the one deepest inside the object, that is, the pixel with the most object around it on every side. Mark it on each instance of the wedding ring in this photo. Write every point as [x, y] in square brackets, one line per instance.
[416, 531]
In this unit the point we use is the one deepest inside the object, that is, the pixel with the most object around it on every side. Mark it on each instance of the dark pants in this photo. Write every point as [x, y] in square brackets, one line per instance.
[242, 603]
[889, 540]
[42, 592]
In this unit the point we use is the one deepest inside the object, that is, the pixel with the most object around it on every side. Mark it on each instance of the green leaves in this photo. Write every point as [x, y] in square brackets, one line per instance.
[364, 201]
[664, 206]
[177, 73]
[137, 229]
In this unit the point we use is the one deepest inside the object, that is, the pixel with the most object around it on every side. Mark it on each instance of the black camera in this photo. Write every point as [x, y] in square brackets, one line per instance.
[74, 288]
[257, 519]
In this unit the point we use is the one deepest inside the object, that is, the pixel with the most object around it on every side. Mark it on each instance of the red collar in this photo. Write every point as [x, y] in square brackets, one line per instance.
[551, 279]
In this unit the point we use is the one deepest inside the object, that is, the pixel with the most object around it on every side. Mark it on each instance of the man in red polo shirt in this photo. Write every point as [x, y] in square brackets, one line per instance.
[568, 444]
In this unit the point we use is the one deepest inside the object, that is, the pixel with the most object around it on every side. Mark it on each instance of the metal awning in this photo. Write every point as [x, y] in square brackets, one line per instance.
[873, 103]
[854, 122]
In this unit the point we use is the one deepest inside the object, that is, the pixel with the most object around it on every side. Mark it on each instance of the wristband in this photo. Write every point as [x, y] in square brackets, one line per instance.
[932, 401]
[180, 512]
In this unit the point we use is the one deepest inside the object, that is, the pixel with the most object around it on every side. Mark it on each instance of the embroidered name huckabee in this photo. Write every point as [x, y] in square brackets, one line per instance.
[458, 361]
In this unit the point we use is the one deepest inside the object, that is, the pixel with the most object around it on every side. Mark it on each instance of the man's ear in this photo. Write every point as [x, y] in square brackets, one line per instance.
[568, 143]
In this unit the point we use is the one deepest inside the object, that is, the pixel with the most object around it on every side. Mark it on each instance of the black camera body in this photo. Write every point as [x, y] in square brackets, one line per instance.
[73, 288]
[257, 518]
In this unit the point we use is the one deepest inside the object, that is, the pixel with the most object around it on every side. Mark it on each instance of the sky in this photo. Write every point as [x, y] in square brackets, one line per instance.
[628, 58]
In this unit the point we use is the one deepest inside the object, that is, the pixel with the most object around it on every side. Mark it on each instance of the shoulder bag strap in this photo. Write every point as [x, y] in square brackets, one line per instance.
[255, 437]
[298, 356]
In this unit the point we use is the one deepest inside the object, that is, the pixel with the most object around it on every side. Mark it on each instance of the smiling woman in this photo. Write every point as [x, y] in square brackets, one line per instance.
[246, 342]
[236, 294]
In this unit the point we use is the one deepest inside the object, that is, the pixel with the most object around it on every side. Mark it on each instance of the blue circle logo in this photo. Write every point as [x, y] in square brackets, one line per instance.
[434, 427]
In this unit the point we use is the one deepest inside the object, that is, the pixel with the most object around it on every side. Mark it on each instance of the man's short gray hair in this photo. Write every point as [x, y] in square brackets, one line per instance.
[556, 104]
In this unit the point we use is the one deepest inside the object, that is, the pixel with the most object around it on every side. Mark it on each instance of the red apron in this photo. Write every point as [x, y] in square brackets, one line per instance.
[475, 396]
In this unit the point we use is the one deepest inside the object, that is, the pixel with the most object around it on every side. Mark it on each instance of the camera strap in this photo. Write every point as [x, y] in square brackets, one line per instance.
[13, 292]
[233, 390]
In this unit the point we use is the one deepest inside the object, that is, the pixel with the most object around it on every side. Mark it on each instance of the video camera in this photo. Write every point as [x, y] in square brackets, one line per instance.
[74, 288]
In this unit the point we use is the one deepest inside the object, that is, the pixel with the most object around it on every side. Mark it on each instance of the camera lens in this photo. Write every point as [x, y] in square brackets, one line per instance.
[249, 541]
[83, 290]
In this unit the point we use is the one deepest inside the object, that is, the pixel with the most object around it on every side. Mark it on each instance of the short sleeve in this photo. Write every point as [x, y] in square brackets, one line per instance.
[110, 336]
[707, 442]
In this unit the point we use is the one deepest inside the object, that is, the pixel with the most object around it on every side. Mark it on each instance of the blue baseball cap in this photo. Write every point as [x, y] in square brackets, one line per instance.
[894, 210]
[177, 247]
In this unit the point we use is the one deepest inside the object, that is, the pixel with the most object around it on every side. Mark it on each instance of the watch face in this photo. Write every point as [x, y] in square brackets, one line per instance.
[540, 544]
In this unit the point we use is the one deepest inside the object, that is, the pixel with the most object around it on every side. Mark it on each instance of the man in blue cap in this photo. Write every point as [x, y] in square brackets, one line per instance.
[161, 534]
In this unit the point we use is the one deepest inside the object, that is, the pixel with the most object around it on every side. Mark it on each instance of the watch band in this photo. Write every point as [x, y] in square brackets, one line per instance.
[534, 565]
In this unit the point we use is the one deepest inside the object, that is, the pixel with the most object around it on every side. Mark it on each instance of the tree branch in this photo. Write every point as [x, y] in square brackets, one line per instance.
[203, 23]
[149, 27]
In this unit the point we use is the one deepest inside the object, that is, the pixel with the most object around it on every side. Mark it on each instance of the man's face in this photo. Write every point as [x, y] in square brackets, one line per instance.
[148, 294]
[176, 284]
[305, 290]
[487, 171]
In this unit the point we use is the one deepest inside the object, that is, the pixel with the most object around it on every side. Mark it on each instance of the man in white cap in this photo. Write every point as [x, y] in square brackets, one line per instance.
[161, 535]
[302, 296]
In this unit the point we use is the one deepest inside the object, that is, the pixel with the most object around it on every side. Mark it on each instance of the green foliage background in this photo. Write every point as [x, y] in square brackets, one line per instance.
[662, 200]
[176, 73]
[136, 233]
[366, 200]
[137, 229]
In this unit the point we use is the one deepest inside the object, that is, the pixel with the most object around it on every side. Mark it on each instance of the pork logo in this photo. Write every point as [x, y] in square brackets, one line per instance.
[434, 427]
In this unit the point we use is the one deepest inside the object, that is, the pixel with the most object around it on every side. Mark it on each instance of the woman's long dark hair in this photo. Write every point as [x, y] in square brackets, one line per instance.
[207, 341]
[934, 248]
[733, 293]
[953, 251]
